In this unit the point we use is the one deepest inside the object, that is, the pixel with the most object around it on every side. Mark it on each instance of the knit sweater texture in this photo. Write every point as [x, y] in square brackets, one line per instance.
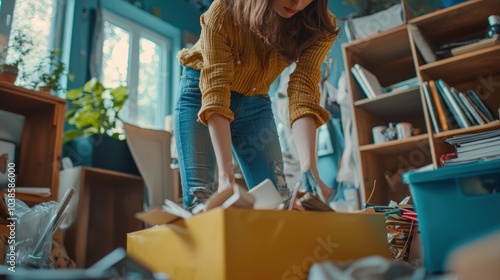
[231, 58]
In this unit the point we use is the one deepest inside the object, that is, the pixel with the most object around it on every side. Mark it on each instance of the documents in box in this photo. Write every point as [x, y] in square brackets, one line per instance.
[236, 243]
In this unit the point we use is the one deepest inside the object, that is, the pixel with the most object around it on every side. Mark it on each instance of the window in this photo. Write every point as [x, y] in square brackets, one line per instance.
[136, 56]
[36, 20]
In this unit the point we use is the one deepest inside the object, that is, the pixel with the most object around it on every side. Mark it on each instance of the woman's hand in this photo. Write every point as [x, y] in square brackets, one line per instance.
[220, 134]
[313, 184]
[226, 181]
[304, 135]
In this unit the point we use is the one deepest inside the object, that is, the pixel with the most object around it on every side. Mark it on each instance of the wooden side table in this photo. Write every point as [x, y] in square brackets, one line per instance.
[103, 211]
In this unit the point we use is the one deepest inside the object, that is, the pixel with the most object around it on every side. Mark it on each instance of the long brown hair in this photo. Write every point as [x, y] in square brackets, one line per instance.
[289, 36]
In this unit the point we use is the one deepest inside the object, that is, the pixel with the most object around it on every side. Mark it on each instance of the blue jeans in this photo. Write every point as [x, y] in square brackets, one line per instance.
[254, 136]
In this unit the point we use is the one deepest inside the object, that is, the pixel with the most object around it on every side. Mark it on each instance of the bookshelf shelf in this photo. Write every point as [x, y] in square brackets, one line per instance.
[483, 62]
[491, 53]
[39, 158]
[473, 129]
[409, 102]
[396, 34]
[395, 146]
[400, 60]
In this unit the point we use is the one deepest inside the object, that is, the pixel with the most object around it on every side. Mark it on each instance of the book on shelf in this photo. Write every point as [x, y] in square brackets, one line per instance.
[452, 105]
[470, 159]
[483, 43]
[474, 147]
[423, 44]
[444, 49]
[431, 107]
[472, 138]
[474, 97]
[403, 85]
[455, 93]
[479, 144]
[492, 135]
[440, 109]
[371, 82]
[471, 108]
[371, 86]
[361, 83]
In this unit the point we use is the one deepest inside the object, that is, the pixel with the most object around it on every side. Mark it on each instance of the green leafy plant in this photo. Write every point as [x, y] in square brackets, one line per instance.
[50, 70]
[94, 109]
[20, 45]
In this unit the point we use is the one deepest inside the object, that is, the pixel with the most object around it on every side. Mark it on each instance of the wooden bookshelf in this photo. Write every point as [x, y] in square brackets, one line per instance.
[393, 57]
[40, 148]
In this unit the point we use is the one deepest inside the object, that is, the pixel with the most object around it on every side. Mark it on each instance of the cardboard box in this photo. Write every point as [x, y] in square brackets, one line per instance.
[235, 243]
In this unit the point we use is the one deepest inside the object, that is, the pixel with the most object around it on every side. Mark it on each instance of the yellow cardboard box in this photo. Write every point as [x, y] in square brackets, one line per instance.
[241, 244]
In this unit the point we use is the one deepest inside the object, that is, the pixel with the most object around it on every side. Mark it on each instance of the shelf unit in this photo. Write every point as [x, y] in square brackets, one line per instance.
[40, 149]
[102, 212]
[393, 57]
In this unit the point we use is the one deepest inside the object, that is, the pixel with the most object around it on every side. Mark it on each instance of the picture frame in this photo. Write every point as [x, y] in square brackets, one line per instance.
[7, 156]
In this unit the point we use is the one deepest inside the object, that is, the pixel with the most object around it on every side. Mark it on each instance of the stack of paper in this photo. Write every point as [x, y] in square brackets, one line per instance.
[402, 223]
[474, 147]
[486, 42]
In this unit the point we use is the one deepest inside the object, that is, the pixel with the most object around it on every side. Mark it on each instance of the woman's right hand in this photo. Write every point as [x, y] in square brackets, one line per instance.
[226, 181]
[220, 135]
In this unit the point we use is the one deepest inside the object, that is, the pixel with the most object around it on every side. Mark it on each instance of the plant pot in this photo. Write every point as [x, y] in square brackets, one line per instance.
[44, 89]
[9, 78]
[101, 151]
[8, 73]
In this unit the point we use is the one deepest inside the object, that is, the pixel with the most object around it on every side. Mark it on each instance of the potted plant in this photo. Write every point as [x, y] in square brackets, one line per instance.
[97, 137]
[13, 56]
[50, 70]
[94, 109]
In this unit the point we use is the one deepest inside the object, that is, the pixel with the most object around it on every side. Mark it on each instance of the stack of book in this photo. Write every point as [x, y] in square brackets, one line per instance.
[450, 108]
[473, 147]
[371, 86]
[458, 47]
[431, 52]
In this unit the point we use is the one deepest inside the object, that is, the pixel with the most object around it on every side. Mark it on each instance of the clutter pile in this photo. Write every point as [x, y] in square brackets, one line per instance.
[27, 233]
[402, 227]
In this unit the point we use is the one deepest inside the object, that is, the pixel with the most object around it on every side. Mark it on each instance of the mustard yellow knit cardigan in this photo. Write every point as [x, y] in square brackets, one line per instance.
[231, 58]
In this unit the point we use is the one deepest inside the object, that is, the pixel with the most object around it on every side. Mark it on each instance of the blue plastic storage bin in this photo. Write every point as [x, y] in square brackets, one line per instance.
[455, 205]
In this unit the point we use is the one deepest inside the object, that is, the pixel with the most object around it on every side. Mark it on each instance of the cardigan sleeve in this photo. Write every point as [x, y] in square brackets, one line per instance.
[303, 87]
[217, 72]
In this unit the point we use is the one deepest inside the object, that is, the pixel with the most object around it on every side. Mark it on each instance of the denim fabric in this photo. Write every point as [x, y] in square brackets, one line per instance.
[254, 138]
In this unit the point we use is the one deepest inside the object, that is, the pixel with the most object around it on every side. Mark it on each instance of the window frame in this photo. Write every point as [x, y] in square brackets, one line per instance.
[137, 32]
[162, 28]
